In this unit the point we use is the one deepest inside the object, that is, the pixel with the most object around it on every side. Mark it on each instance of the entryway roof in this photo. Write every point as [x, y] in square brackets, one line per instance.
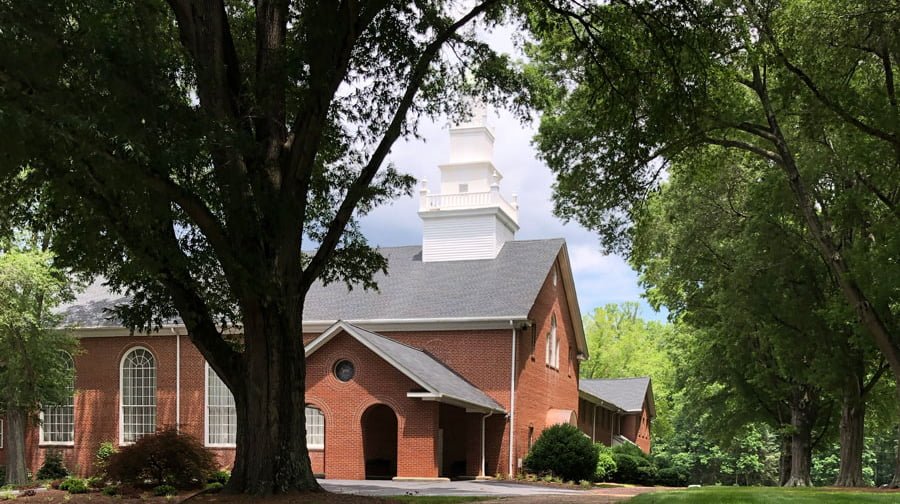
[439, 382]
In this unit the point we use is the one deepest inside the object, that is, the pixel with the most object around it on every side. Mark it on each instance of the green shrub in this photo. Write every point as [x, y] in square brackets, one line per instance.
[220, 476]
[628, 449]
[672, 476]
[164, 490]
[563, 451]
[96, 482]
[633, 465]
[101, 460]
[110, 490]
[168, 457]
[64, 485]
[53, 467]
[214, 487]
[76, 486]
[606, 464]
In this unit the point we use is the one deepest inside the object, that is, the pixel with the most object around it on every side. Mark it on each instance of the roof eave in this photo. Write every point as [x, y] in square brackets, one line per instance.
[596, 400]
[470, 407]
[572, 301]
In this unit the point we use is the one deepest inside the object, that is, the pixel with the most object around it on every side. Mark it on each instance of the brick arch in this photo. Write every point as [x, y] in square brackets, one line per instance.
[386, 401]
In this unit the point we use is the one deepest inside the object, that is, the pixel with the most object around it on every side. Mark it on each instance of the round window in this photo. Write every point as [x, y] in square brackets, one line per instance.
[344, 370]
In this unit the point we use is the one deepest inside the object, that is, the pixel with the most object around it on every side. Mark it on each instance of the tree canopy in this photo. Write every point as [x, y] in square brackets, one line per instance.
[211, 159]
[34, 352]
[803, 90]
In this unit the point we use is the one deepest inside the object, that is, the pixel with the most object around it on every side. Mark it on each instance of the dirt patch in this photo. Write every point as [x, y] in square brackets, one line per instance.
[59, 496]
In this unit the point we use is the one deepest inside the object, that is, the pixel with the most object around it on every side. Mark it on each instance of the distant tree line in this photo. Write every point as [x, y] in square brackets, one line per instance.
[710, 427]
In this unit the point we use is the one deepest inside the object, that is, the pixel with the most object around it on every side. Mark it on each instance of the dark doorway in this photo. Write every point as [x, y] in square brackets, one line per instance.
[379, 429]
[453, 442]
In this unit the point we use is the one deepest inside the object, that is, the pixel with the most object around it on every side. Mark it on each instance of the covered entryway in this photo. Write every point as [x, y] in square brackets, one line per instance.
[379, 430]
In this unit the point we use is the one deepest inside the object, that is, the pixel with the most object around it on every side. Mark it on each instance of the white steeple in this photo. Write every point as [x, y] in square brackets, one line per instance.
[469, 218]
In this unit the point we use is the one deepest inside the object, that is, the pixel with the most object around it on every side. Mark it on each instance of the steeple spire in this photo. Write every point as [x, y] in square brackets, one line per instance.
[469, 218]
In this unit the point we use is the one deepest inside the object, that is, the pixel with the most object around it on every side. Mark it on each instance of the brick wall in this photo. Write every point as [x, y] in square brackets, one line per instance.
[643, 437]
[481, 357]
[97, 398]
[539, 387]
[344, 404]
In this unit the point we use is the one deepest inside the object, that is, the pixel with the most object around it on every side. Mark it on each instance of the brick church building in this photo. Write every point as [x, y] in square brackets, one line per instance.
[468, 350]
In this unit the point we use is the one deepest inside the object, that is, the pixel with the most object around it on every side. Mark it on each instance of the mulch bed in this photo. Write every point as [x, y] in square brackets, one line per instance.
[61, 497]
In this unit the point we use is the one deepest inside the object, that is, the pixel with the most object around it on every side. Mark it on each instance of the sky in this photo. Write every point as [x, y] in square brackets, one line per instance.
[599, 279]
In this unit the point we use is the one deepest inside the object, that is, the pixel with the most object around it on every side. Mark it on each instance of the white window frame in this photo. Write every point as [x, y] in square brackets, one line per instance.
[206, 411]
[131, 350]
[1, 433]
[44, 442]
[309, 445]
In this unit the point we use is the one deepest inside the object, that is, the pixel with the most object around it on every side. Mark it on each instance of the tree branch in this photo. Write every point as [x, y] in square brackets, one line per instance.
[358, 188]
[160, 259]
[737, 144]
[823, 98]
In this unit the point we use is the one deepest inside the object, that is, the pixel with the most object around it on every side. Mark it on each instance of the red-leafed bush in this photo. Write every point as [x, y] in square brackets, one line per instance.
[168, 457]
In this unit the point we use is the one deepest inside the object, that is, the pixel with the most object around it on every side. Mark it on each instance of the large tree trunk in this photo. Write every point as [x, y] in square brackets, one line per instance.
[271, 455]
[784, 461]
[16, 472]
[853, 414]
[895, 482]
[802, 419]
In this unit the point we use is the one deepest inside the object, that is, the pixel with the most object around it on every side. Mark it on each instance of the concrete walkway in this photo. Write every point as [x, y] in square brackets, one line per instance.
[455, 488]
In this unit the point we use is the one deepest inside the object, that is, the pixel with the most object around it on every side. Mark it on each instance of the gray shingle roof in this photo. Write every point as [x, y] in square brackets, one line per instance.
[430, 373]
[502, 287]
[89, 309]
[625, 393]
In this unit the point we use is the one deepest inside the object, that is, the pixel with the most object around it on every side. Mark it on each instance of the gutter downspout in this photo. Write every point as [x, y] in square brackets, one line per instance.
[483, 462]
[594, 427]
[512, 400]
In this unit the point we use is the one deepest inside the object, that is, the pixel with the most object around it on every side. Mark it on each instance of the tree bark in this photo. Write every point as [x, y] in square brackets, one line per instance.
[895, 481]
[16, 472]
[784, 461]
[802, 419]
[853, 414]
[272, 456]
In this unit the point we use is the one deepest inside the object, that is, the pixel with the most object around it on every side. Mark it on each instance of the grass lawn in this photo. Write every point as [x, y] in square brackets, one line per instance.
[417, 499]
[767, 495]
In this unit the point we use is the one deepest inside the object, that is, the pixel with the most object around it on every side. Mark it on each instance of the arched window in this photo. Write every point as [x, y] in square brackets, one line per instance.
[555, 342]
[58, 420]
[315, 428]
[552, 345]
[221, 418]
[138, 391]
